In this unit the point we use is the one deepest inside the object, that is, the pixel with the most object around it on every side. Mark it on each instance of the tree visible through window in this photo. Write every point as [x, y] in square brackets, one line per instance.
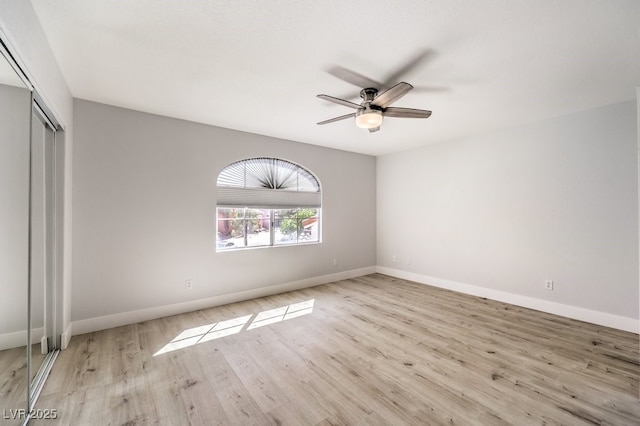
[267, 202]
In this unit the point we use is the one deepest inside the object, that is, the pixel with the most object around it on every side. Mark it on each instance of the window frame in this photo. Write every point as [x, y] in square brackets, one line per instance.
[272, 229]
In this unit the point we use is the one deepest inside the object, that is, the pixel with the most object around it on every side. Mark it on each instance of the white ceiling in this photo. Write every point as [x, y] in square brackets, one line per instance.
[257, 66]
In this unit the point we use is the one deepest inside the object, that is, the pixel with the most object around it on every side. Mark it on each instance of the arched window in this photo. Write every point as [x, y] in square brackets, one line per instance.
[267, 201]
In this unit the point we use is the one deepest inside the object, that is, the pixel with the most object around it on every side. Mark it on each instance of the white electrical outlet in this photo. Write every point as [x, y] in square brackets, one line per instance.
[394, 258]
[548, 284]
[188, 284]
[408, 261]
[335, 262]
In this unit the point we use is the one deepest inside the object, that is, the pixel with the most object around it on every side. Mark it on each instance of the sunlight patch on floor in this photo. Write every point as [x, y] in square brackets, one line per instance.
[283, 313]
[205, 333]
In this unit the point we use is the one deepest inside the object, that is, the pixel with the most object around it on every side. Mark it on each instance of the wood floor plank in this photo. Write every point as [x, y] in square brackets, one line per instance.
[13, 381]
[263, 389]
[370, 350]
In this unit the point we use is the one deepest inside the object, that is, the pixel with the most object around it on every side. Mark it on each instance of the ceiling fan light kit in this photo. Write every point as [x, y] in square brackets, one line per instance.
[370, 112]
[368, 118]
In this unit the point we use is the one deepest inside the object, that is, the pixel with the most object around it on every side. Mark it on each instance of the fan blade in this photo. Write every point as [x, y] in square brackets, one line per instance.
[431, 89]
[342, 117]
[340, 101]
[390, 96]
[405, 69]
[353, 77]
[406, 113]
[374, 129]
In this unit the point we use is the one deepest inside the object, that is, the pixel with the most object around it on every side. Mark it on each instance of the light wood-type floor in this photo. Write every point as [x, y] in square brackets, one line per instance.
[13, 380]
[370, 350]
[13, 383]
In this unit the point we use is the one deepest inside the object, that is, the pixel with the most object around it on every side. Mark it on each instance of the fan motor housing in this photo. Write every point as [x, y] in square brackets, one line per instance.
[368, 94]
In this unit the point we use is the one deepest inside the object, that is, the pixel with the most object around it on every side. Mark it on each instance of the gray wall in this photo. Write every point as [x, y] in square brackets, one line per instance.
[144, 200]
[555, 200]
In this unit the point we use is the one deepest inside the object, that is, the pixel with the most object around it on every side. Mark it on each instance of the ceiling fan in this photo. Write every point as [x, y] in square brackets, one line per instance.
[374, 107]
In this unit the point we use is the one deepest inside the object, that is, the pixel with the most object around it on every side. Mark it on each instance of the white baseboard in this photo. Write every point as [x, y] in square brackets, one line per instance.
[13, 340]
[569, 311]
[19, 338]
[109, 321]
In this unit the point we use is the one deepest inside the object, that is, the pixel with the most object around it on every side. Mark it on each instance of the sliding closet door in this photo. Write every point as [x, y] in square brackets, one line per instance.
[15, 113]
[42, 289]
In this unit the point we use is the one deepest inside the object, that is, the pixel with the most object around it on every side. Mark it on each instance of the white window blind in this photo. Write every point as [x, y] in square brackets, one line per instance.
[268, 182]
